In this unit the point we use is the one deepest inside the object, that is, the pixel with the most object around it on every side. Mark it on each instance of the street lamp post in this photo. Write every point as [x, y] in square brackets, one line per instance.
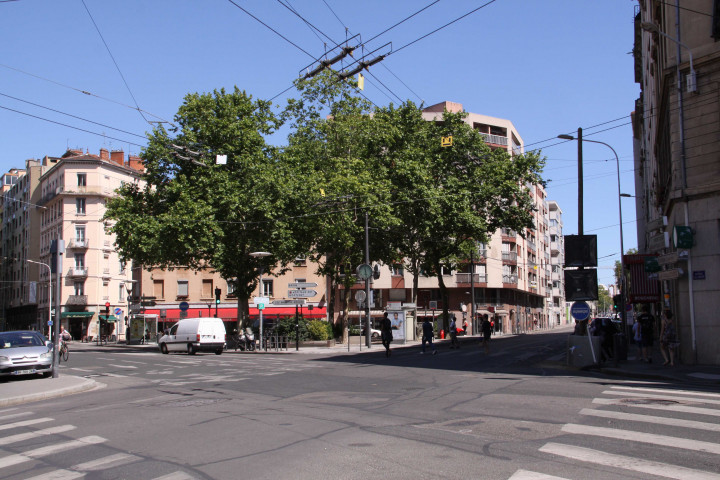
[261, 268]
[622, 248]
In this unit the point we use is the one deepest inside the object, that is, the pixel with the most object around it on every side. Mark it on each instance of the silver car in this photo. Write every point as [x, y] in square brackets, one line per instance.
[25, 353]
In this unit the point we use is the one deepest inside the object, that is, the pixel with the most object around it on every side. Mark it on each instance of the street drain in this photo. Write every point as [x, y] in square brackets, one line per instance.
[648, 401]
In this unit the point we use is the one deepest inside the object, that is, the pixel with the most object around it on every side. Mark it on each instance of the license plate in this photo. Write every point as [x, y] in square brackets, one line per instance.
[24, 372]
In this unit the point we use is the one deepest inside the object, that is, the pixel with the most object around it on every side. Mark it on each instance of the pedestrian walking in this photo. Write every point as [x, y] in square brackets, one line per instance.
[668, 339]
[637, 336]
[486, 328]
[386, 333]
[647, 328]
[465, 326]
[453, 334]
[428, 336]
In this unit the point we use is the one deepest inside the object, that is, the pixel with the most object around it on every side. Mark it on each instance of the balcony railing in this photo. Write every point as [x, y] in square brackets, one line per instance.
[509, 256]
[78, 272]
[465, 278]
[495, 139]
[77, 300]
[510, 279]
[78, 243]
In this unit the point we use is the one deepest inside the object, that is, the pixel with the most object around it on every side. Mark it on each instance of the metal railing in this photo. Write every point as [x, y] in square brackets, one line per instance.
[495, 139]
[509, 256]
[510, 279]
[465, 277]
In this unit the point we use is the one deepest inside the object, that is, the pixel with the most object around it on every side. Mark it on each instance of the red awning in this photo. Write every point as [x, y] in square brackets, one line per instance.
[643, 289]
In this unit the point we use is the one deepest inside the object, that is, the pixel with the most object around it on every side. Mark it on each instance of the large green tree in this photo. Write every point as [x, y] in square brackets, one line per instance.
[193, 212]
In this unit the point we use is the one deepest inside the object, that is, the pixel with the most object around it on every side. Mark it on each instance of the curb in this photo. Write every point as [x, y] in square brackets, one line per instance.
[83, 386]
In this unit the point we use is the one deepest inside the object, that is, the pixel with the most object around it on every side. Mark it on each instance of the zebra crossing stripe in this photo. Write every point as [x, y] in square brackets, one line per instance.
[662, 397]
[25, 423]
[528, 475]
[661, 390]
[58, 475]
[49, 450]
[650, 438]
[595, 456]
[14, 415]
[21, 437]
[669, 408]
[179, 475]
[633, 417]
[107, 462]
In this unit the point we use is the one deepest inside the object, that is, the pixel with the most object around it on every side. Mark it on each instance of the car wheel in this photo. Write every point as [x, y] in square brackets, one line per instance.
[218, 351]
[375, 336]
[163, 349]
[47, 374]
[190, 350]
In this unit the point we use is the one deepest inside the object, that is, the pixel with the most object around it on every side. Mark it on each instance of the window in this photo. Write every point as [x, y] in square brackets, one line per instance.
[82, 179]
[397, 270]
[79, 288]
[159, 288]
[79, 260]
[300, 261]
[207, 288]
[182, 288]
[445, 271]
[267, 288]
[80, 206]
[122, 267]
[121, 292]
[231, 289]
[80, 233]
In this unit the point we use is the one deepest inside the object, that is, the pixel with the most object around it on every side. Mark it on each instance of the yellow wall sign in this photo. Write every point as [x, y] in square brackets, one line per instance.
[446, 141]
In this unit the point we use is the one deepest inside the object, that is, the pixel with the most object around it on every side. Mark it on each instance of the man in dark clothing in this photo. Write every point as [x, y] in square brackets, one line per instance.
[386, 333]
[428, 336]
[486, 328]
[647, 326]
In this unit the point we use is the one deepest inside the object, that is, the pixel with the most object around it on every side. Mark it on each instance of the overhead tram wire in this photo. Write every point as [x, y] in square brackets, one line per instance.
[113, 59]
[402, 21]
[84, 92]
[72, 116]
[70, 126]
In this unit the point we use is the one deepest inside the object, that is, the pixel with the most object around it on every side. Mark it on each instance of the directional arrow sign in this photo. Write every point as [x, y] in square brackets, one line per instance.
[301, 293]
[299, 301]
[302, 285]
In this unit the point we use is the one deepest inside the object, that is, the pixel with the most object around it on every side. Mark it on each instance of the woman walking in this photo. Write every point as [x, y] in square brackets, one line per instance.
[386, 333]
[668, 340]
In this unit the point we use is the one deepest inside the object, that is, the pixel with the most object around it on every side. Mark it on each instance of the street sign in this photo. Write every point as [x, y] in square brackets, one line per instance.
[184, 306]
[118, 312]
[297, 301]
[301, 293]
[360, 296]
[50, 322]
[580, 310]
[259, 300]
[261, 306]
[302, 285]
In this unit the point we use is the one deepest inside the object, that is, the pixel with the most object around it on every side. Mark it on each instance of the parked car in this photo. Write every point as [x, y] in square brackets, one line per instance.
[191, 335]
[25, 353]
[374, 333]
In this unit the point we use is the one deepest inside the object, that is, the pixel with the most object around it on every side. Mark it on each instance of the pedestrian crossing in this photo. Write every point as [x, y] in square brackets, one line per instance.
[40, 449]
[680, 426]
[174, 370]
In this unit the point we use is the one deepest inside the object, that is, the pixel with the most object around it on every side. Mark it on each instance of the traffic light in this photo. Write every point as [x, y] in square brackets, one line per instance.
[616, 302]
[217, 295]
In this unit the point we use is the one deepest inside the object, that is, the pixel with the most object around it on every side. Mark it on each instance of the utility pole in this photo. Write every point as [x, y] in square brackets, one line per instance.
[368, 338]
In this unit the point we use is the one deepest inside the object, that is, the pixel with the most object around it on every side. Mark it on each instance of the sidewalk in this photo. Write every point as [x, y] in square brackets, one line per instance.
[20, 391]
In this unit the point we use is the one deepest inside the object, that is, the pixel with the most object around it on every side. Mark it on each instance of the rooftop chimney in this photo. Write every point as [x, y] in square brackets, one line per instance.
[117, 156]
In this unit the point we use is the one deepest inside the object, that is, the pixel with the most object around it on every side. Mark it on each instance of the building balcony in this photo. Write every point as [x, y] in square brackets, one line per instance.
[508, 235]
[77, 300]
[77, 272]
[495, 139]
[510, 257]
[106, 273]
[510, 279]
[78, 243]
[465, 278]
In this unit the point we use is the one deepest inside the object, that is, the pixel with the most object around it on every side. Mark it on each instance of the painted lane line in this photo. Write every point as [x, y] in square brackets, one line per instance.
[528, 475]
[121, 366]
[14, 415]
[662, 397]
[595, 456]
[107, 462]
[661, 390]
[25, 423]
[668, 408]
[179, 475]
[49, 450]
[58, 475]
[650, 438]
[633, 417]
[81, 369]
[21, 437]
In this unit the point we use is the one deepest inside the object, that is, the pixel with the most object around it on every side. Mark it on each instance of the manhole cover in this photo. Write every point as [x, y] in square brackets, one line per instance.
[649, 401]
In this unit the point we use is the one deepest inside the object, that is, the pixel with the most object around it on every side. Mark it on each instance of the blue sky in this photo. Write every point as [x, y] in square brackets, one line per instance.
[549, 66]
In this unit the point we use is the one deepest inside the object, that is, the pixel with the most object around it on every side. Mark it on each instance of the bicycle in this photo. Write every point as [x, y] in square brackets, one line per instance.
[63, 352]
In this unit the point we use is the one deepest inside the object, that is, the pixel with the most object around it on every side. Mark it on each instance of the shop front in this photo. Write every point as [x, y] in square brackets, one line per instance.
[77, 324]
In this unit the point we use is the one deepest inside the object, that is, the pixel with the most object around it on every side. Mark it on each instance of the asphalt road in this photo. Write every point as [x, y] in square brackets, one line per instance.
[515, 413]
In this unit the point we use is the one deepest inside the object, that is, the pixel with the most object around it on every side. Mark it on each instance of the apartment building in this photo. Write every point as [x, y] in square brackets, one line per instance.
[677, 180]
[557, 305]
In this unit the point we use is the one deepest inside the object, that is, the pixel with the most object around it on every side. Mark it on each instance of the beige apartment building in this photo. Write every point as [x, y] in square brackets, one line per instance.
[677, 172]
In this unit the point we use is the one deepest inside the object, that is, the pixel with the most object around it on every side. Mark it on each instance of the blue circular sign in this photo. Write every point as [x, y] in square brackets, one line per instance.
[580, 310]
[184, 306]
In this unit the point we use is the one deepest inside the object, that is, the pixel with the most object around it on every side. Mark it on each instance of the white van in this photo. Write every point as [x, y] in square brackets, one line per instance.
[204, 334]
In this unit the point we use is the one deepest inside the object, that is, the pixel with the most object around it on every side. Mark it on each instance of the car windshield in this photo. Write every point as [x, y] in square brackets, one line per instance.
[20, 339]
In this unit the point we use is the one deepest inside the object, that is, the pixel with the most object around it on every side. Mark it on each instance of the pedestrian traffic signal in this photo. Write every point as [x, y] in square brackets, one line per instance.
[616, 302]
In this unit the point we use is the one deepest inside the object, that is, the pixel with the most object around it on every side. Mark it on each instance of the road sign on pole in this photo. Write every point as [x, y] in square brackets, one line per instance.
[301, 293]
[302, 285]
[297, 301]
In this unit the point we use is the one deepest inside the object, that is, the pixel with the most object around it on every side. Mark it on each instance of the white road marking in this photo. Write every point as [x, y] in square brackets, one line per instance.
[670, 408]
[528, 475]
[58, 475]
[81, 369]
[14, 415]
[21, 437]
[179, 475]
[651, 438]
[632, 417]
[49, 450]
[25, 423]
[107, 462]
[595, 456]
[661, 390]
[662, 397]
[121, 366]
